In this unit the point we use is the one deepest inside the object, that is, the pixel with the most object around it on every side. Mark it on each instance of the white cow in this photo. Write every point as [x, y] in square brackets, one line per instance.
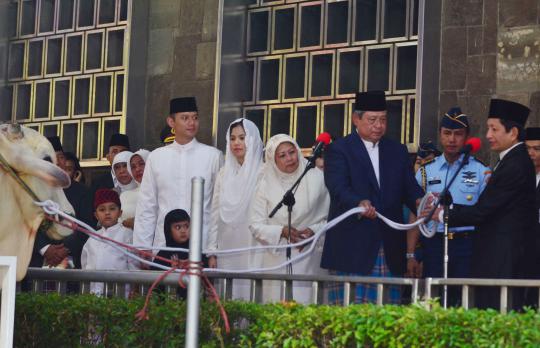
[32, 156]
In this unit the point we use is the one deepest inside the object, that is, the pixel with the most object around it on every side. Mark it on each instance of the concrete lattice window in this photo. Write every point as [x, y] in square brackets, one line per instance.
[67, 63]
[294, 66]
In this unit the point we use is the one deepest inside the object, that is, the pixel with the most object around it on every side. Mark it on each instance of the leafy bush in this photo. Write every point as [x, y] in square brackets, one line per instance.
[86, 320]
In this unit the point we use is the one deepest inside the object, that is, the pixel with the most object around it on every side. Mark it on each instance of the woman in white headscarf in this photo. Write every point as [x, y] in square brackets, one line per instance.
[123, 181]
[233, 192]
[128, 198]
[283, 166]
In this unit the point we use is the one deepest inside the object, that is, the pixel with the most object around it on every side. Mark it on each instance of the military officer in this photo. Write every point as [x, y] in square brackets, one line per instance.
[469, 183]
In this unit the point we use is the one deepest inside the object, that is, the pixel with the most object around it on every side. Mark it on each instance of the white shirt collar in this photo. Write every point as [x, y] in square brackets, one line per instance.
[505, 152]
[113, 227]
[370, 145]
[537, 178]
[185, 147]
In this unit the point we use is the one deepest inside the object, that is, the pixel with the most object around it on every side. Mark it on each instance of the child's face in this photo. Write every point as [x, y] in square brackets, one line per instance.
[108, 214]
[180, 231]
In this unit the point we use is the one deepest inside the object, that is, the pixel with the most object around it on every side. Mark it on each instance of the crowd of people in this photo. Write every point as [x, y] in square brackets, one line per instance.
[146, 198]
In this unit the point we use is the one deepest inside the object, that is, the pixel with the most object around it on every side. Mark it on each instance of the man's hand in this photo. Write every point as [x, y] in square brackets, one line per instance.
[212, 261]
[55, 254]
[370, 212]
[414, 269]
[427, 209]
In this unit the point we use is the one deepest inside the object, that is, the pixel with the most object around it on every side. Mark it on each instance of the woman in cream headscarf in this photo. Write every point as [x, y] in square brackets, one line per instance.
[284, 164]
[128, 198]
[233, 192]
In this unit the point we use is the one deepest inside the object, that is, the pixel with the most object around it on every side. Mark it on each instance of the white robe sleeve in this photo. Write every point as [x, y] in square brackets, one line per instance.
[212, 243]
[147, 208]
[264, 232]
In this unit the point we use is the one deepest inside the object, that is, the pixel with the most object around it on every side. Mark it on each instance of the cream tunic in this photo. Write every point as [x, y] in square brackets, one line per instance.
[166, 185]
[310, 211]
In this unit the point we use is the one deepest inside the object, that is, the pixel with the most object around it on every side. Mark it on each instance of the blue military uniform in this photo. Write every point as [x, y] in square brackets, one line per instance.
[465, 190]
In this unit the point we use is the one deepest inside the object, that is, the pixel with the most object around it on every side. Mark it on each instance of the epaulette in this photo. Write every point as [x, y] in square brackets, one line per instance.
[479, 161]
[428, 162]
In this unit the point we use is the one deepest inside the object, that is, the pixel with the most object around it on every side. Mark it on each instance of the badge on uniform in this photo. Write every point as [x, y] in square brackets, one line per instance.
[469, 178]
[434, 181]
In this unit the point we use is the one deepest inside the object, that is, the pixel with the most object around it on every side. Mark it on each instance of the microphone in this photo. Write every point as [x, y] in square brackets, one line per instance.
[472, 145]
[322, 140]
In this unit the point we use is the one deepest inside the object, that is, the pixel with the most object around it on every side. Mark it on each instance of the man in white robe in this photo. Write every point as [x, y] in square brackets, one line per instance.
[166, 183]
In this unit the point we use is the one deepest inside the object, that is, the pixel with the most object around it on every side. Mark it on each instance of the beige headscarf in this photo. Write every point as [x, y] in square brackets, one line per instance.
[278, 182]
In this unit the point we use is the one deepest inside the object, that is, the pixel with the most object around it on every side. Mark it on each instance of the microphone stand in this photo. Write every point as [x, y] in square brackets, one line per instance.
[444, 199]
[289, 200]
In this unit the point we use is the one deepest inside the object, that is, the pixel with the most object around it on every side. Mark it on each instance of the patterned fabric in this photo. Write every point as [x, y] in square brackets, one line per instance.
[367, 293]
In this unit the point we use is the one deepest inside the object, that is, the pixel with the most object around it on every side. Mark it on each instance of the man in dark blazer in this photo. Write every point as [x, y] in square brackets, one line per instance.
[532, 141]
[367, 169]
[505, 214]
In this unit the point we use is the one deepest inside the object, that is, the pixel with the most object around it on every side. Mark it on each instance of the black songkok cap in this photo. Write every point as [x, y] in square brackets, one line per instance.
[508, 110]
[167, 135]
[185, 104]
[56, 144]
[454, 119]
[532, 133]
[119, 140]
[370, 101]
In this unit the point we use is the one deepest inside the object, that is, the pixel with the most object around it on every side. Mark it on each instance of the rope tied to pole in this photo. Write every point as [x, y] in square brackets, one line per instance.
[183, 267]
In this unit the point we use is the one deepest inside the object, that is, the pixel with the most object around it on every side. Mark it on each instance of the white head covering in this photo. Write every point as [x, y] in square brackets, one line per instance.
[144, 155]
[271, 171]
[122, 157]
[278, 182]
[239, 181]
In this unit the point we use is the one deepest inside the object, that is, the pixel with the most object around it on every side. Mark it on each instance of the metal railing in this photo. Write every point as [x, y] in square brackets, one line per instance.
[116, 280]
[420, 289]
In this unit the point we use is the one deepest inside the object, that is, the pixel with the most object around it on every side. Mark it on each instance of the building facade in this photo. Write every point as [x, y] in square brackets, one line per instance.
[83, 69]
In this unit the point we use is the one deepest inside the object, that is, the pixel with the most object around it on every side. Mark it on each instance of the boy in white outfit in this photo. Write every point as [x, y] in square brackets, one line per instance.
[97, 255]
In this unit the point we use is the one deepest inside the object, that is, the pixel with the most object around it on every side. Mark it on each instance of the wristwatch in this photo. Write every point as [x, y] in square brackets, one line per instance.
[409, 256]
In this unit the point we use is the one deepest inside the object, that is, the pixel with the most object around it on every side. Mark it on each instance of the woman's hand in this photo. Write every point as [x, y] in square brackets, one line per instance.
[129, 223]
[293, 232]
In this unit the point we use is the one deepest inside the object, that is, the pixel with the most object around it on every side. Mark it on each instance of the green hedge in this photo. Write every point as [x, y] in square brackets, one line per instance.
[71, 321]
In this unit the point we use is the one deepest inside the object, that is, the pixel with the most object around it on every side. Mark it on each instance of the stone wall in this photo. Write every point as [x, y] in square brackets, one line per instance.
[489, 47]
[181, 55]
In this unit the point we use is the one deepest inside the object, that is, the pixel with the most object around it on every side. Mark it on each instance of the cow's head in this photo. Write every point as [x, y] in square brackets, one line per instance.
[32, 157]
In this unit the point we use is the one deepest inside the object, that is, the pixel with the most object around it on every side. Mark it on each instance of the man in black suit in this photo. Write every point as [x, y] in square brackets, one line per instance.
[533, 147]
[52, 252]
[505, 214]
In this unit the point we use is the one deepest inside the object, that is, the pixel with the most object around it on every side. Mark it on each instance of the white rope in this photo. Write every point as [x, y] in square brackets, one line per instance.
[358, 210]
[52, 208]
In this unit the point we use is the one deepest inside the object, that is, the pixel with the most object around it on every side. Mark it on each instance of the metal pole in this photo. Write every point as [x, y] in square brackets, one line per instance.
[195, 241]
[445, 269]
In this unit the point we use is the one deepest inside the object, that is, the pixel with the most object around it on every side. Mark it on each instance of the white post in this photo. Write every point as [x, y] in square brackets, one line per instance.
[195, 246]
[8, 271]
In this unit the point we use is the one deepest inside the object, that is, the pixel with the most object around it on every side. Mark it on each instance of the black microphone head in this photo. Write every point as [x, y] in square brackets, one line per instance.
[466, 148]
